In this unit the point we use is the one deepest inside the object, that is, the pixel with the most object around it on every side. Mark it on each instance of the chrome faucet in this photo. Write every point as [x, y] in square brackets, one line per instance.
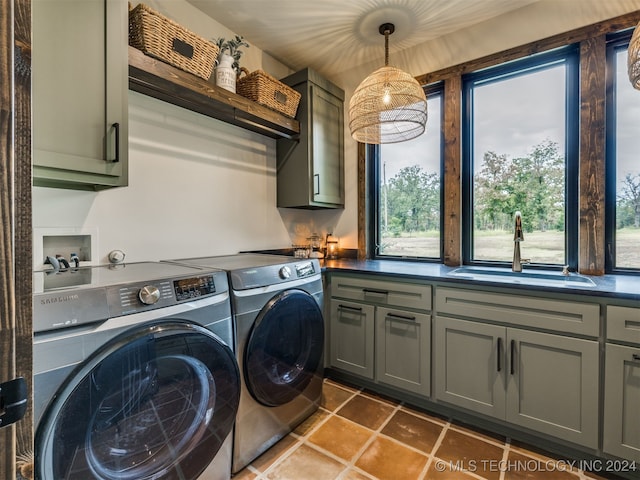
[518, 237]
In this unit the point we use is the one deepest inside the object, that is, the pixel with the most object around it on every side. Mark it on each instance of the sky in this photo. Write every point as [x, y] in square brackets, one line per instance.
[628, 124]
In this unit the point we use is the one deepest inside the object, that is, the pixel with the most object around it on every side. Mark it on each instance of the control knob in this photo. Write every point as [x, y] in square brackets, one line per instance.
[285, 272]
[149, 294]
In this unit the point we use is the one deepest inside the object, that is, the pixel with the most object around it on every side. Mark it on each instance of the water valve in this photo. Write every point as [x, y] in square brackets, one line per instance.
[116, 256]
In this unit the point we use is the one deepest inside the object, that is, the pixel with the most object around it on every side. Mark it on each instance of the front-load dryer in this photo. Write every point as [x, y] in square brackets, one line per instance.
[134, 373]
[276, 303]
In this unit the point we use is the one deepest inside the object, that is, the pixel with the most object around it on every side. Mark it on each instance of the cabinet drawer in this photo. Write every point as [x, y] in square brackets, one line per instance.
[557, 315]
[623, 323]
[382, 292]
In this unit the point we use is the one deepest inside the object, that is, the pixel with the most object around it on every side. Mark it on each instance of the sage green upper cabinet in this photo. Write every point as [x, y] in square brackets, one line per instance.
[80, 84]
[311, 168]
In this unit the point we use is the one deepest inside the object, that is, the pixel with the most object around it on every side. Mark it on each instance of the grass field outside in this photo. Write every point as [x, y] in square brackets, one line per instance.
[540, 247]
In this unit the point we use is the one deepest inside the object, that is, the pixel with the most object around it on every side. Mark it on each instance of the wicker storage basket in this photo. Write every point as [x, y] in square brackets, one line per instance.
[262, 88]
[162, 38]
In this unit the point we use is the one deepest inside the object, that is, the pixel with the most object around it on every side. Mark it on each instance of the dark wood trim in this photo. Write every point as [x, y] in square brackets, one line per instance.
[7, 296]
[362, 201]
[23, 236]
[591, 250]
[172, 85]
[452, 207]
[615, 24]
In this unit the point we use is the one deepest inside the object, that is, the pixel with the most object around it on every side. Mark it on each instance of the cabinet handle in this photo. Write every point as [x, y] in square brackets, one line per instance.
[499, 354]
[375, 292]
[513, 355]
[347, 307]
[116, 128]
[407, 318]
[635, 357]
[316, 184]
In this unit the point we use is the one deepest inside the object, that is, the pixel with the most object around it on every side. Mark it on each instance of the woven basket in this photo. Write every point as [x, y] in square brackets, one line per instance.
[262, 88]
[162, 38]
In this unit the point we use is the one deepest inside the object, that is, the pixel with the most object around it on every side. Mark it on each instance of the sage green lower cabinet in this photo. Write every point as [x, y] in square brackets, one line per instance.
[621, 435]
[553, 385]
[380, 329]
[622, 402]
[352, 337]
[403, 352]
[541, 381]
[469, 364]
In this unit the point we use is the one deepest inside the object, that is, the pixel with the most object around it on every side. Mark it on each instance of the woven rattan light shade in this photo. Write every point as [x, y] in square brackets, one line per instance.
[389, 106]
[633, 60]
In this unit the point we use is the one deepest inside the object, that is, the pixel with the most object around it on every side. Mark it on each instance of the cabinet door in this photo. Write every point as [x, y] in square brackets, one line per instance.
[80, 75]
[352, 331]
[327, 139]
[403, 350]
[552, 386]
[470, 365]
[622, 402]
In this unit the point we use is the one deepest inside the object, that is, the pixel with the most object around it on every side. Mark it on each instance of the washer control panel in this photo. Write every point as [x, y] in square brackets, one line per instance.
[194, 287]
[133, 298]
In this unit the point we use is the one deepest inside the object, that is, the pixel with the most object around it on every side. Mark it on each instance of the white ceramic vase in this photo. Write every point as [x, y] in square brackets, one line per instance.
[225, 74]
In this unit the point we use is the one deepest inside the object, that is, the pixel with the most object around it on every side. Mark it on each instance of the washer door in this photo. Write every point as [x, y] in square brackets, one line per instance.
[156, 402]
[284, 348]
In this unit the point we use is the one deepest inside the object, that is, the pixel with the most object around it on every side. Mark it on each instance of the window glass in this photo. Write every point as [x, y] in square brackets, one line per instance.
[408, 192]
[627, 166]
[517, 150]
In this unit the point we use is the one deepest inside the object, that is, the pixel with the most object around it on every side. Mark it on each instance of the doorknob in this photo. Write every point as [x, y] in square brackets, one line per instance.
[13, 401]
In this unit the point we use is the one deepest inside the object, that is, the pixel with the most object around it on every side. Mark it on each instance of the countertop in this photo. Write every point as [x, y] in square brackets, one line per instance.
[615, 286]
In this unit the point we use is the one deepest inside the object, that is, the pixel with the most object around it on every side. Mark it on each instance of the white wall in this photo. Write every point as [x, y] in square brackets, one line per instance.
[200, 187]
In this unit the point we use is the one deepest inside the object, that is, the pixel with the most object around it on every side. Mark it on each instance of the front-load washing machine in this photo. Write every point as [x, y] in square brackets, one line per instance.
[134, 373]
[276, 303]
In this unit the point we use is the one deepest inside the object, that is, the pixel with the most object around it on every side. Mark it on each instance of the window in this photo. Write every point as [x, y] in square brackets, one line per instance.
[623, 167]
[520, 153]
[406, 191]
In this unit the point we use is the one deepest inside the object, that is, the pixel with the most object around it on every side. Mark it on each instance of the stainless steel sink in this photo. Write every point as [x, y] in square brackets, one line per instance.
[526, 277]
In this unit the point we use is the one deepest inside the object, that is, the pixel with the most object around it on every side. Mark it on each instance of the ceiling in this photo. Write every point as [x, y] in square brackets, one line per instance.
[333, 35]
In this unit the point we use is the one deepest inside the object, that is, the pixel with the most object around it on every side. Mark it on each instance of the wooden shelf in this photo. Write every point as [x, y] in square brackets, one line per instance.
[172, 85]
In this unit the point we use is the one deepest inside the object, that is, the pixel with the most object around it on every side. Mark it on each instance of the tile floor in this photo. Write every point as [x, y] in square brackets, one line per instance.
[357, 435]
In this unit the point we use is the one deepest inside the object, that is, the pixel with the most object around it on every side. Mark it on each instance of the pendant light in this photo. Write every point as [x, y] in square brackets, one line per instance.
[633, 60]
[389, 106]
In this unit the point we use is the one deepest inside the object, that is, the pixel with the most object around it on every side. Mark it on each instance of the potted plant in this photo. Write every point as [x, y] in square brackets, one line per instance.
[228, 62]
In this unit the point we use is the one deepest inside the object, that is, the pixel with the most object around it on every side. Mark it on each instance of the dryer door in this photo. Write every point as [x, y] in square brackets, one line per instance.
[284, 349]
[156, 402]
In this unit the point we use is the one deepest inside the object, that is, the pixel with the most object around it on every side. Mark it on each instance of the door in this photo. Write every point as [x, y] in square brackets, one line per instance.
[352, 337]
[284, 349]
[622, 402]
[15, 183]
[80, 93]
[155, 401]
[327, 138]
[403, 350]
[552, 385]
[470, 365]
